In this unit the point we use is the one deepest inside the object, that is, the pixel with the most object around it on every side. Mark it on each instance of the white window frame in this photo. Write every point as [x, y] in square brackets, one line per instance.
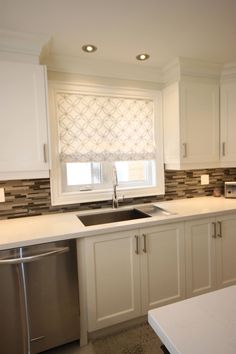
[61, 198]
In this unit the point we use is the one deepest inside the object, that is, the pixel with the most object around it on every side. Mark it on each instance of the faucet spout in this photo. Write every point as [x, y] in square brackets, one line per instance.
[115, 202]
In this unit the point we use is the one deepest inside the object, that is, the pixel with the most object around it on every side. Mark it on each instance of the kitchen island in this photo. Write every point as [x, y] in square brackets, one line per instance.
[204, 324]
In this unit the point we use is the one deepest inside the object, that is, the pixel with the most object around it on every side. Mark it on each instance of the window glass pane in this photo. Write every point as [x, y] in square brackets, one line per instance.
[134, 171]
[83, 173]
[130, 170]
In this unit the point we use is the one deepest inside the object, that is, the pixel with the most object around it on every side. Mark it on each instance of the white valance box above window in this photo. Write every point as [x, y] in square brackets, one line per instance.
[105, 128]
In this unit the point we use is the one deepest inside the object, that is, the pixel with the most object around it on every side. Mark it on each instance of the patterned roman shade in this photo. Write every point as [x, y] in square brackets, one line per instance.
[105, 128]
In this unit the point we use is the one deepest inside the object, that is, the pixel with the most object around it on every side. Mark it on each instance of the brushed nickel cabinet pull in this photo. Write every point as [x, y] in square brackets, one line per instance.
[45, 153]
[184, 149]
[220, 228]
[214, 230]
[137, 244]
[223, 149]
[144, 243]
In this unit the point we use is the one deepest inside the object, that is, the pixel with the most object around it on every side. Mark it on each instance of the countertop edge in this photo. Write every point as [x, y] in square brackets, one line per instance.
[56, 227]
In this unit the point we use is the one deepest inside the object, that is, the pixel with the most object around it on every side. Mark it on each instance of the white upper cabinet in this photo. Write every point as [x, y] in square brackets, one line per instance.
[191, 125]
[228, 124]
[23, 117]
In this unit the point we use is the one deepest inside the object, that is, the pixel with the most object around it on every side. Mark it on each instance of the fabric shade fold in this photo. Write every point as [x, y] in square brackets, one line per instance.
[105, 128]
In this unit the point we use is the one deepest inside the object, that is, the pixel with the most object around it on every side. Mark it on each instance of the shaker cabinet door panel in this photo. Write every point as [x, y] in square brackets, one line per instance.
[199, 109]
[191, 125]
[226, 250]
[210, 254]
[200, 256]
[162, 266]
[23, 116]
[113, 279]
[228, 124]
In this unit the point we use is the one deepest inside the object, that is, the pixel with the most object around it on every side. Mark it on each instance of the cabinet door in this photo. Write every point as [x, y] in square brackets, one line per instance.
[199, 112]
[23, 114]
[200, 236]
[113, 279]
[162, 265]
[228, 124]
[226, 250]
[171, 122]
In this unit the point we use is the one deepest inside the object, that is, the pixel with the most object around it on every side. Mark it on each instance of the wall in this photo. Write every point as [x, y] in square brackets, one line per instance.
[32, 197]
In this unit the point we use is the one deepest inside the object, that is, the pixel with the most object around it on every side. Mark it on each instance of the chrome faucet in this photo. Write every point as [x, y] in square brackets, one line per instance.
[115, 202]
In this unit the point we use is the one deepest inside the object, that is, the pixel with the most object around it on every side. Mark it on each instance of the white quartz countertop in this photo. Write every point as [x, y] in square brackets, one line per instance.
[45, 228]
[204, 324]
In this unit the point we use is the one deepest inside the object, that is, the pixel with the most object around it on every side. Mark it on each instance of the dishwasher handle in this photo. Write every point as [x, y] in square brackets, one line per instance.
[34, 258]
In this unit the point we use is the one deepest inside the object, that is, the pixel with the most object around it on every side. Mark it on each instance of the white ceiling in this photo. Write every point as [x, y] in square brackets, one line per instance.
[166, 29]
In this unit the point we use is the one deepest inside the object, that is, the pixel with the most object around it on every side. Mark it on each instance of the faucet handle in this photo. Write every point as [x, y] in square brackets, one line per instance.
[122, 198]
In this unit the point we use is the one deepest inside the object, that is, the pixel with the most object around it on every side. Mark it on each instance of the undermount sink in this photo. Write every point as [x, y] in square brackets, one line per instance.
[106, 217]
[112, 216]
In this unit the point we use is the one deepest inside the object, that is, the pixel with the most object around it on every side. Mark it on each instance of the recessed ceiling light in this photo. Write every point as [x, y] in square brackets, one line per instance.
[143, 56]
[89, 48]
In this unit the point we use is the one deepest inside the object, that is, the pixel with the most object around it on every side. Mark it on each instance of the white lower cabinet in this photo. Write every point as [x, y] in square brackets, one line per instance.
[200, 256]
[113, 279]
[130, 272]
[210, 254]
[226, 251]
[162, 265]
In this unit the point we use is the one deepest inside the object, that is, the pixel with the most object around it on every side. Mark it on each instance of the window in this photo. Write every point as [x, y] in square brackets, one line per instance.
[83, 173]
[85, 176]
[95, 129]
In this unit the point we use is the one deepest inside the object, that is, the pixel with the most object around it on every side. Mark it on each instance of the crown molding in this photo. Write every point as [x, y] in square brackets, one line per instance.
[183, 68]
[20, 46]
[200, 68]
[178, 69]
[171, 72]
[101, 68]
[229, 72]
[70, 77]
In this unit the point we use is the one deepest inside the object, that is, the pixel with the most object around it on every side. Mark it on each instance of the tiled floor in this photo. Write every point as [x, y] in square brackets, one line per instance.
[140, 339]
[73, 348]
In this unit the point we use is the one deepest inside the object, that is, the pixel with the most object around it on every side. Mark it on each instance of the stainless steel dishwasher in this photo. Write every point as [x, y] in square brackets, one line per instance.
[39, 301]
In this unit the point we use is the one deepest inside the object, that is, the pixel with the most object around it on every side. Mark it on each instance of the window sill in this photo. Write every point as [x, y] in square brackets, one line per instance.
[97, 196]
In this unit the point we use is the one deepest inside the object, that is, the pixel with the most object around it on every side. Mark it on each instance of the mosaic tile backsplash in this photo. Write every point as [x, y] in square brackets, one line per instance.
[32, 197]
